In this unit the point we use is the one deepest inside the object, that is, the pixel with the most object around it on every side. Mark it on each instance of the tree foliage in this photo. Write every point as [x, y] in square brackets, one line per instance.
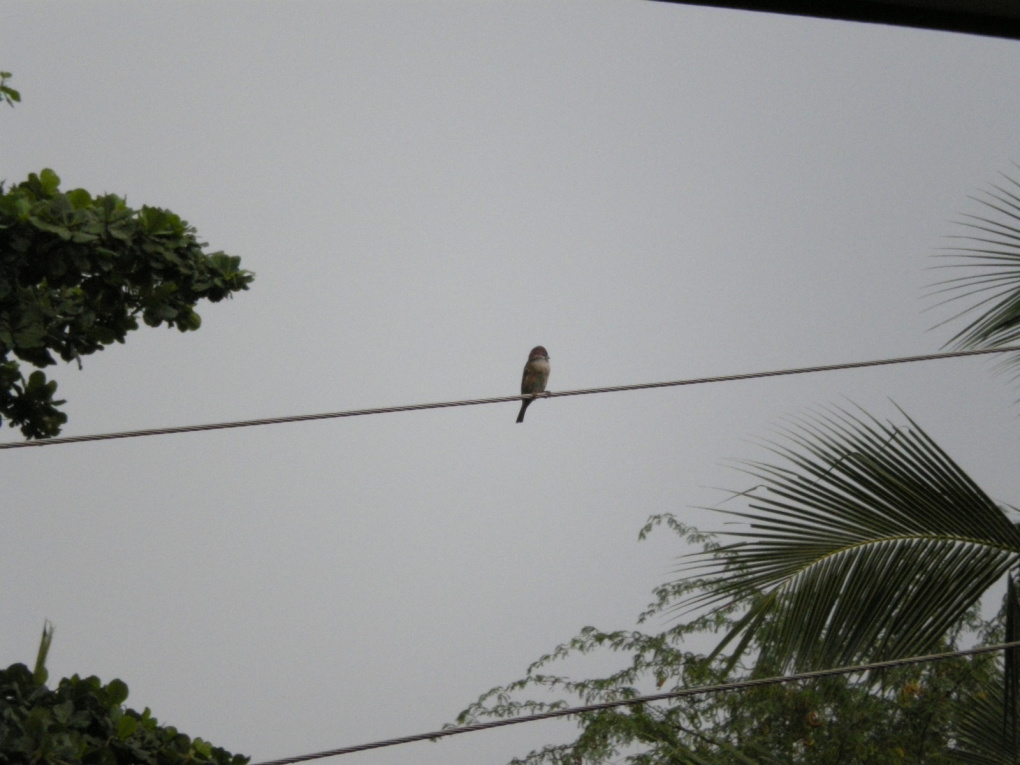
[990, 254]
[83, 722]
[8, 94]
[77, 272]
[916, 713]
[865, 541]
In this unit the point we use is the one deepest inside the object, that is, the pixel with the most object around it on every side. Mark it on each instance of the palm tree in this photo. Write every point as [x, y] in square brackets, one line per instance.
[867, 541]
[993, 257]
[868, 544]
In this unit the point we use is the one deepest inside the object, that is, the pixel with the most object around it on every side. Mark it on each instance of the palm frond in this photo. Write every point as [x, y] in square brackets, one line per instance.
[981, 738]
[868, 541]
[995, 320]
[1011, 668]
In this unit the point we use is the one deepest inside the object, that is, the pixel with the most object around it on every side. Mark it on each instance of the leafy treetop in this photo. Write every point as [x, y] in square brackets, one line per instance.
[76, 271]
[83, 721]
[945, 712]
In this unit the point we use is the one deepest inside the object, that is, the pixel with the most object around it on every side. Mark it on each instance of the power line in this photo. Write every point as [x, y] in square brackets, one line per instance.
[724, 687]
[498, 399]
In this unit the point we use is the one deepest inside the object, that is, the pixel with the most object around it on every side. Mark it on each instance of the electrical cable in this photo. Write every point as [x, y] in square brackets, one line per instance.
[724, 687]
[497, 400]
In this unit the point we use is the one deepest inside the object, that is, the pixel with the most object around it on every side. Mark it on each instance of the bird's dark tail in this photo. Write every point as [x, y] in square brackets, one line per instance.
[524, 406]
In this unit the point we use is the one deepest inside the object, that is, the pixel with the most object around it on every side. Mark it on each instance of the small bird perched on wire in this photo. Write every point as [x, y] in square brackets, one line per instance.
[536, 375]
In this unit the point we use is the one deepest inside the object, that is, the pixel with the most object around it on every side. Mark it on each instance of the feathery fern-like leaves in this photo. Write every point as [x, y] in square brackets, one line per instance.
[867, 542]
[990, 252]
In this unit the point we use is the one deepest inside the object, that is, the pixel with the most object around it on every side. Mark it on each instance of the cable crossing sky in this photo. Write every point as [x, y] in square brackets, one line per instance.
[734, 686]
[498, 399]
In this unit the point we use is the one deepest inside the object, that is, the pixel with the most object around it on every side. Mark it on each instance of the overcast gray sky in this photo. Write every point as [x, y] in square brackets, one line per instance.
[427, 190]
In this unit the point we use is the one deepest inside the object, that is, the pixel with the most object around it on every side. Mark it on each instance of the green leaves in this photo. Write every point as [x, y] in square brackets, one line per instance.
[7, 93]
[44, 185]
[30, 401]
[40, 674]
[82, 720]
[76, 274]
[992, 285]
[867, 542]
[916, 714]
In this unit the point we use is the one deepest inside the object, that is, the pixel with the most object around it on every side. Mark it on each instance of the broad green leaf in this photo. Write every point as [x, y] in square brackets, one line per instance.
[126, 726]
[52, 228]
[117, 691]
[49, 181]
[79, 198]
